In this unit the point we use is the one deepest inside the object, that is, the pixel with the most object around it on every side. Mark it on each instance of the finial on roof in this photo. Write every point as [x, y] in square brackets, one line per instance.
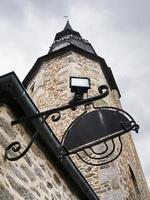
[67, 17]
[67, 26]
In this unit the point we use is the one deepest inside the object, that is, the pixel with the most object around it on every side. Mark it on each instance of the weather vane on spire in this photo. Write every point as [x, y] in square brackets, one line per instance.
[67, 18]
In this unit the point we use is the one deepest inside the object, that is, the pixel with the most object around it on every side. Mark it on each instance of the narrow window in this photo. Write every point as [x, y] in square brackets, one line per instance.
[134, 181]
[32, 87]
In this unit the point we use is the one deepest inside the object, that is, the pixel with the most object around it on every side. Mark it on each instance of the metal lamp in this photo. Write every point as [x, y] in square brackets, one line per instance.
[79, 86]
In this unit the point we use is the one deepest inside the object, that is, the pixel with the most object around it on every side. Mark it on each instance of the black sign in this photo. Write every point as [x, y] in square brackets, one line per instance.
[95, 127]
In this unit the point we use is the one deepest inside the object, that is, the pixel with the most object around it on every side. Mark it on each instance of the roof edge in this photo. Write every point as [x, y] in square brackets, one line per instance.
[48, 142]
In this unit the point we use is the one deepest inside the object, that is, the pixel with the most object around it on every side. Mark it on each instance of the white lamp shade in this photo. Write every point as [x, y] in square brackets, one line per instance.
[80, 82]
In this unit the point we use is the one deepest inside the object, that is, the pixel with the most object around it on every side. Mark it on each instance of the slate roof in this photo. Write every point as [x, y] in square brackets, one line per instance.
[67, 26]
[68, 36]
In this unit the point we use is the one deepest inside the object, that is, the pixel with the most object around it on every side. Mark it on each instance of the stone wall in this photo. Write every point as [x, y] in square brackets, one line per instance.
[32, 177]
[50, 88]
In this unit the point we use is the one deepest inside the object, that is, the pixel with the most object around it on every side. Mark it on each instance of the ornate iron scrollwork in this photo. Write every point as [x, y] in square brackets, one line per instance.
[89, 139]
[15, 147]
[56, 116]
[108, 123]
[100, 160]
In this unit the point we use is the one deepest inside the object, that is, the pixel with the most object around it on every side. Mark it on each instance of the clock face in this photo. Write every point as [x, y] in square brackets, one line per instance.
[60, 45]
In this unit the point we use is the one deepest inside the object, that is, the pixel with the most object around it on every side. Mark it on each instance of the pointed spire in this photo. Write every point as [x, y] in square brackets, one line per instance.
[67, 31]
[68, 26]
[68, 37]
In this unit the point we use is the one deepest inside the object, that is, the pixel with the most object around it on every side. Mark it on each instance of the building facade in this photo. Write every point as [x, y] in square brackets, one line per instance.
[47, 85]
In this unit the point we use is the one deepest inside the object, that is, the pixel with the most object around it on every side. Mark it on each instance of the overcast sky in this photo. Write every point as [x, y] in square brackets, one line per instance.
[119, 30]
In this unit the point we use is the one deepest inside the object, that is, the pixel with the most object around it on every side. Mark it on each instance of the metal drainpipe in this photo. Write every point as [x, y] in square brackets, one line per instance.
[25, 102]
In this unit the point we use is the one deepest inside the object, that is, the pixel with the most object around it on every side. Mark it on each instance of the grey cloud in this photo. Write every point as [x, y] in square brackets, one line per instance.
[11, 10]
[51, 8]
[124, 15]
[129, 15]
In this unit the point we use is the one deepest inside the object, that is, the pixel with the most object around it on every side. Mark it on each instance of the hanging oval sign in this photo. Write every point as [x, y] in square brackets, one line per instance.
[97, 126]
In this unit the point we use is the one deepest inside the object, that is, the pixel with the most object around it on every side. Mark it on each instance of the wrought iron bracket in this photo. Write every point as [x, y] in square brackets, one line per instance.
[103, 90]
[15, 147]
[111, 123]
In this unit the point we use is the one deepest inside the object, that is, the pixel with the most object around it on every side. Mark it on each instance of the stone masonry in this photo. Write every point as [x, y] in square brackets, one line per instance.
[31, 178]
[122, 179]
